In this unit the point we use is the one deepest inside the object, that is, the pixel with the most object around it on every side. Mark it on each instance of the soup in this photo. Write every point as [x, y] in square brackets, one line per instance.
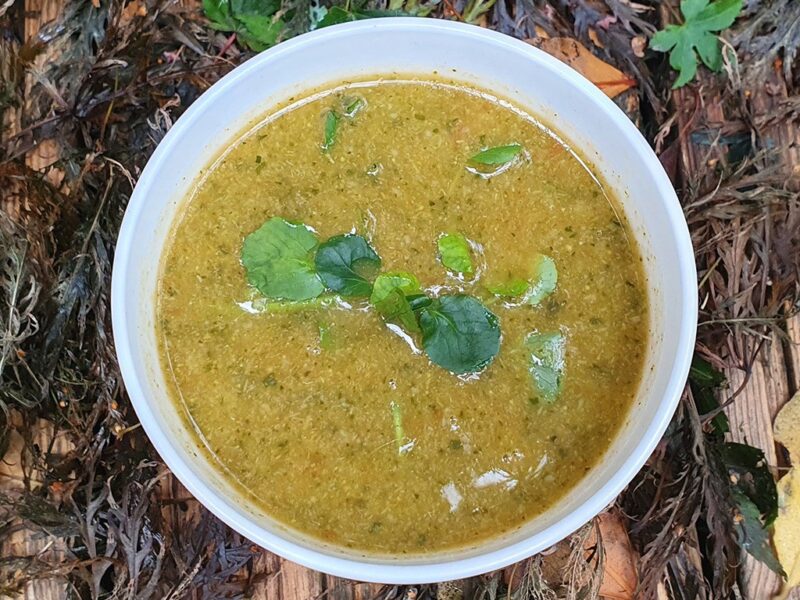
[402, 316]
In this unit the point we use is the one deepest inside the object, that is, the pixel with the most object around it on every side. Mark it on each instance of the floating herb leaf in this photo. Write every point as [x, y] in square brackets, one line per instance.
[511, 289]
[331, 128]
[353, 105]
[546, 363]
[499, 155]
[454, 252]
[542, 283]
[545, 280]
[696, 37]
[277, 258]
[459, 333]
[390, 298]
[344, 262]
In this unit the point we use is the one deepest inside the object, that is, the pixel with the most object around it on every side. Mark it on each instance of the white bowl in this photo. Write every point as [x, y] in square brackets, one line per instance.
[522, 74]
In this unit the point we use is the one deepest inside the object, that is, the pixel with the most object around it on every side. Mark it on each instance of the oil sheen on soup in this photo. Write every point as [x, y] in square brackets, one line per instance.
[479, 391]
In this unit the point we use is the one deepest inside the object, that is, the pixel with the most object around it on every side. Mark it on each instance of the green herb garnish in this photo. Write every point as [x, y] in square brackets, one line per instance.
[331, 128]
[390, 298]
[459, 333]
[499, 155]
[344, 262]
[696, 36]
[542, 283]
[545, 280]
[397, 423]
[547, 353]
[278, 260]
[352, 106]
[454, 252]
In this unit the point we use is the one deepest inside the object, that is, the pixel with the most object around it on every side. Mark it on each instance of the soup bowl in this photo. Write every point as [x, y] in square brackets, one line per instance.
[509, 68]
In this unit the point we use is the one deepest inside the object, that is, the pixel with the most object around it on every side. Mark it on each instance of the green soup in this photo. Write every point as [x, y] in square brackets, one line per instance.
[345, 426]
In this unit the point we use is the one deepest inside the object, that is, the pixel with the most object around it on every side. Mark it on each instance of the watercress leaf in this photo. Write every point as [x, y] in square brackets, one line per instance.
[695, 36]
[277, 259]
[499, 155]
[454, 252]
[459, 333]
[344, 262]
[389, 297]
[386, 283]
[353, 105]
[509, 289]
[331, 128]
[418, 301]
[545, 278]
[547, 354]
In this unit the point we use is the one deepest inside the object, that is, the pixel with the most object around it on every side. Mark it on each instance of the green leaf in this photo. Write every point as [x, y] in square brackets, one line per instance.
[499, 155]
[753, 536]
[695, 37]
[718, 15]
[710, 52]
[692, 8]
[277, 258]
[343, 263]
[390, 298]
[254, 8]
[219, 13]
[547, 357]
[418, 301]
[749, 473]
[352, 106]
[454, 252]
[397, 424]
[336, 15]
[331, 128]
[543, 281]
[326, 339]
[702, 373]
[264, 30]
[510, 289]
[459, 333]
[704, 381]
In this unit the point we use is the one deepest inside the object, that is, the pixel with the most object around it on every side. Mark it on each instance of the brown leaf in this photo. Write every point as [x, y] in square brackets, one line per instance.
[619, 568]
[787, 526]
[609, 79]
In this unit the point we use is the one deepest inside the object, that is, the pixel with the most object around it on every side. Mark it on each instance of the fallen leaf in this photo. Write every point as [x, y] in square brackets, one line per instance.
[786, 536]
[609, 79]
[595, 38]
[619, 569]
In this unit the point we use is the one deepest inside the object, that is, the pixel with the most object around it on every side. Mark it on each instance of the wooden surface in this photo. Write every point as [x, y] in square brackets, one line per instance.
[774, 377]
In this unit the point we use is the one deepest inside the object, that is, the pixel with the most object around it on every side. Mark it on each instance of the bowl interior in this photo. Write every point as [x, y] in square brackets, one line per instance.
[532, 80]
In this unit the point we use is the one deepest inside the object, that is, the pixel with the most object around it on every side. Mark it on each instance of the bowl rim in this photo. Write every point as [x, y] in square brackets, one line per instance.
[434, 570]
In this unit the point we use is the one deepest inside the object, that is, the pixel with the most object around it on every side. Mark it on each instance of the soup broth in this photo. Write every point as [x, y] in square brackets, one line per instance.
[339, 424]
